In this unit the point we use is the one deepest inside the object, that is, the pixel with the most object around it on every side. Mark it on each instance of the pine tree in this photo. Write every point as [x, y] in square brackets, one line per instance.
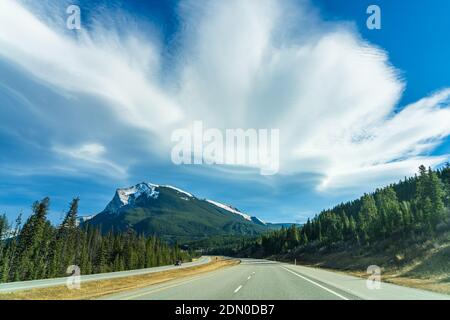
[353, 234]
[64, 252]
[437, 196]
[292, 236]
[31, 239]
[4, 258]
[430, 198]
[368, 218]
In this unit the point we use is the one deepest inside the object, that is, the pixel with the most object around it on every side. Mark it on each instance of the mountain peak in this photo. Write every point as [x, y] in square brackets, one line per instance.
[173, 214]
[145, 194]
[128, 196]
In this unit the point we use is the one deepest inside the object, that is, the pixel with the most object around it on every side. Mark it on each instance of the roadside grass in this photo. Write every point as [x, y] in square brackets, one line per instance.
[96, 289]
[423, 266]
[431, 272]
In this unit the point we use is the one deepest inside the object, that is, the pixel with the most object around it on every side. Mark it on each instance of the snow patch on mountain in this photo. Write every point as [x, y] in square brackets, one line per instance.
[179, 190]
[230, 209]
[129, 195]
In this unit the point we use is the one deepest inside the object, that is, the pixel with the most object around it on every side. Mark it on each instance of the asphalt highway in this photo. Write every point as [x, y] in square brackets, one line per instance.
[268, 280]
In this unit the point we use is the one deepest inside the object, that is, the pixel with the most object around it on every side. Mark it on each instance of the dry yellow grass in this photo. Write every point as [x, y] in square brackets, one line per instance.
[423, 266]
[398, 277]
[424, 284]
[435, 284]
[95, 289]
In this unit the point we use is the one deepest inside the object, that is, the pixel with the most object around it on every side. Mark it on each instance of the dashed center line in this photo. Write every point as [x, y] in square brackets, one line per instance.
[240, 287]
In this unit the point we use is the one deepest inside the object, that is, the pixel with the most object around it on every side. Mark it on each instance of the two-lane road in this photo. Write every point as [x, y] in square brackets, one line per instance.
[268, 280]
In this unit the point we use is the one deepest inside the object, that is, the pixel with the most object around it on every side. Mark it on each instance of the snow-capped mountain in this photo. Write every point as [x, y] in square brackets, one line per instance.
[173, 213]
[128, 196]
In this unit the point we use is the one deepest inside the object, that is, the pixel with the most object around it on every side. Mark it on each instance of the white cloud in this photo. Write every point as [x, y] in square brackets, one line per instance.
[93, 157]
[249, 64]
[89, 152]
[332, 94]
[98, 63]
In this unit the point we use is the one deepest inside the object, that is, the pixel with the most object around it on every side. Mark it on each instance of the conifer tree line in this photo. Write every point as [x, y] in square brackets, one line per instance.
[38, 250]
[416, 206]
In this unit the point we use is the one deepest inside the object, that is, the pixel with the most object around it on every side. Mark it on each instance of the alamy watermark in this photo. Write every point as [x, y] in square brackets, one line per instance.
[374, 280]
[374, 20]
[73, 21]
[73, 281]
[241, 147]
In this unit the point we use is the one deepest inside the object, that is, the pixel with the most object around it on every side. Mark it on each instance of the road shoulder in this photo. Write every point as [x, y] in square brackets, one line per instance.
[97, 289]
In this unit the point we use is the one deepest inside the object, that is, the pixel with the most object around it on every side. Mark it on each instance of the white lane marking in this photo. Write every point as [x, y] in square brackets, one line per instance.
[237, 289]
[317, 284]
[249, 277]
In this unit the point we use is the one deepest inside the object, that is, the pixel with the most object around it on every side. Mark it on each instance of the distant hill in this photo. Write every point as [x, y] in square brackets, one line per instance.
[173, 214]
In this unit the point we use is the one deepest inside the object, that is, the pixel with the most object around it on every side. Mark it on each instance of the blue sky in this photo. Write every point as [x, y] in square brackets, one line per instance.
[85, 112]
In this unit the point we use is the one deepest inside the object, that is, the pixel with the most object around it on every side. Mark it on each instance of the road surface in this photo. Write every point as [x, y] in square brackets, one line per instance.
[263, 279]
[24, 285]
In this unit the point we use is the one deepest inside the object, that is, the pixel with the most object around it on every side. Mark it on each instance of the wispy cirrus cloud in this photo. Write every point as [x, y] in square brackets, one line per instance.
[249, 64]
[99, 63]
[91, 154]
